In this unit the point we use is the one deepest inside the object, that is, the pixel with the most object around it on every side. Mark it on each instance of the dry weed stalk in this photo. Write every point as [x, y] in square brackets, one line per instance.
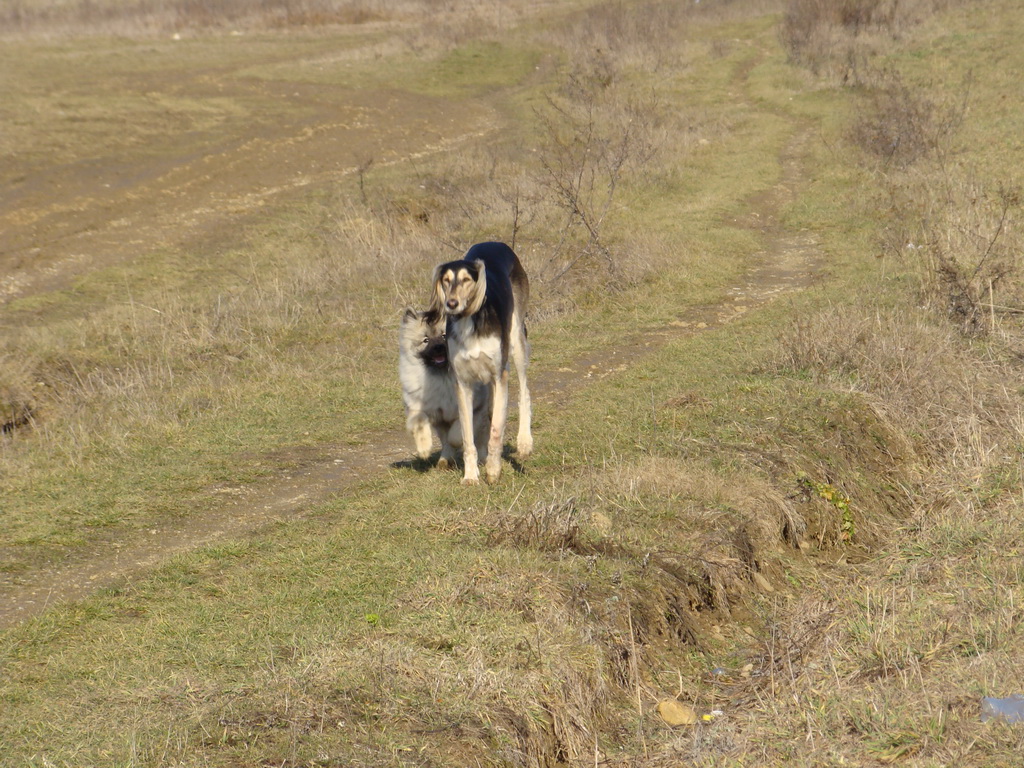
[790, 644]
[553, 526]
[963, 236]
[974, 247]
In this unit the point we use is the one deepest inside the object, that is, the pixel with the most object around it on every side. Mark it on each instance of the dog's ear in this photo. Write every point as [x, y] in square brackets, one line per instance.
[479, 289]
[437, 294]
[409, 316]
[432, 317]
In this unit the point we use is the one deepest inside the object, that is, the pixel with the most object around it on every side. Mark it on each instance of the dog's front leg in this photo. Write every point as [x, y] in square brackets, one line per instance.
[422, 436]
[464, 393]
[498, 417]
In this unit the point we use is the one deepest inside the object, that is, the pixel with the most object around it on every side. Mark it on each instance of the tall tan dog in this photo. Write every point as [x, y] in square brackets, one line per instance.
[484, 295]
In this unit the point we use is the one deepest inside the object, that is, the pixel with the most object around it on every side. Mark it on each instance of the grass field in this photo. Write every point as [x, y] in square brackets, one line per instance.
[775, 256]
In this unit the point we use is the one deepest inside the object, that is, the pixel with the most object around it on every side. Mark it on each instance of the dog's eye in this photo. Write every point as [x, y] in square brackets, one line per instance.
[426, 339]
[444, 336]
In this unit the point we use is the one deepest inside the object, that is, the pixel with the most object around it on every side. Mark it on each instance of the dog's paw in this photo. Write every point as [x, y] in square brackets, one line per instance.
[524, 446]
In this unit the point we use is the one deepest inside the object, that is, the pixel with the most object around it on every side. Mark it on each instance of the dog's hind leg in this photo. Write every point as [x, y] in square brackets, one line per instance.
[498, 418]
[464, 394]
[451, 440]
[482, 430]
[521, 357]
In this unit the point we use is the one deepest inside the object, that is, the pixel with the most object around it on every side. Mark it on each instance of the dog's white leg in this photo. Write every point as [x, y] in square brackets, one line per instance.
[471, 475]
[521, 357]
[498, 417]
[422, 437]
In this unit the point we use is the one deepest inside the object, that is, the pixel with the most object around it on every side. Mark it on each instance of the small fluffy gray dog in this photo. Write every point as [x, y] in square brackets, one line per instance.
[428, 388]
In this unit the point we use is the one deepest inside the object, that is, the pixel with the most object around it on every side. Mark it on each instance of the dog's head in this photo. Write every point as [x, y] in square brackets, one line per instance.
[460, 287]
[423, 336]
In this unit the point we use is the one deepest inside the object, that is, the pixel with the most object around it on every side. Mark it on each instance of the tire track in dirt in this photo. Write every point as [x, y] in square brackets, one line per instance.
[789, 262]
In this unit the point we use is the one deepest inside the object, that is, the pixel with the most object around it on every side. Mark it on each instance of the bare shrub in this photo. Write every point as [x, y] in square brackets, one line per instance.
[897, 125]
[838, 37]
[600, 133]
[964, 238]
[593, 139]
[901, 124]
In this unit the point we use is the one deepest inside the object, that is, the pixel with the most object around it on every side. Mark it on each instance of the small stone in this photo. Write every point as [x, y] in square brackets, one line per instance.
[674, 713]
[762, 583]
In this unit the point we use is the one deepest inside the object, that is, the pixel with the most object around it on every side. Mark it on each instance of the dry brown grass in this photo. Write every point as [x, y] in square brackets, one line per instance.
[839, 39]
[923, 379]
[144, 17]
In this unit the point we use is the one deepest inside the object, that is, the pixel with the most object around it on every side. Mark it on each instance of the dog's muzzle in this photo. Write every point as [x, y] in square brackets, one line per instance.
[436, 355]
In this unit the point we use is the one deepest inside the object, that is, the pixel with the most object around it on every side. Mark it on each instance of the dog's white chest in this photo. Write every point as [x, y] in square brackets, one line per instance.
[477, 359]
